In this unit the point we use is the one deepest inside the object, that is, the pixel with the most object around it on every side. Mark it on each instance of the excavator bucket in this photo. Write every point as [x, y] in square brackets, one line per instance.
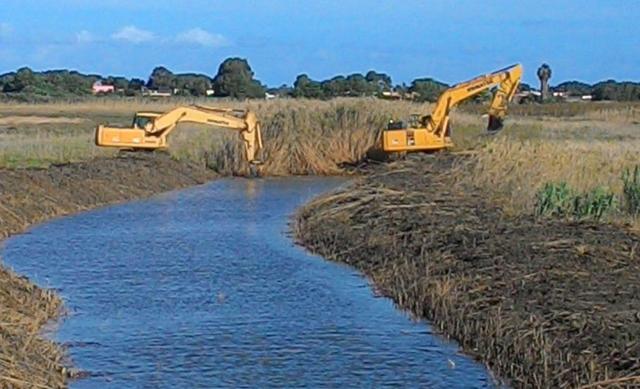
[495, 124]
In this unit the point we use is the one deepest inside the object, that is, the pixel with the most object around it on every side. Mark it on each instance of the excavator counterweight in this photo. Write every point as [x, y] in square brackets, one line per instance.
[433, 132]
[149, 130]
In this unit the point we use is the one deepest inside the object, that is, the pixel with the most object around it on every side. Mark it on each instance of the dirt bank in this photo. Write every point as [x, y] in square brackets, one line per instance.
[546, 304]
[32, 196]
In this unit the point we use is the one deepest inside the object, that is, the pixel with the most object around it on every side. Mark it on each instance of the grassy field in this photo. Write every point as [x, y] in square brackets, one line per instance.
[585, 145]
[588, 151]
[301, 137]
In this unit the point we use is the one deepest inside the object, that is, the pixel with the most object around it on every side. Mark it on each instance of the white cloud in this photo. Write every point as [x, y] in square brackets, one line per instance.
[85, 36]
[5, 29]
[133, 34]
[198, 36]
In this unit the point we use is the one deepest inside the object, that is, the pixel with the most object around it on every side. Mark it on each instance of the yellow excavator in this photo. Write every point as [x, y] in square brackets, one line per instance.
[432, 132]
[150, 130]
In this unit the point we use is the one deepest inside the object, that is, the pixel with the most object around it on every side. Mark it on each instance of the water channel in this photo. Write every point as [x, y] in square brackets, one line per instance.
[204, 288]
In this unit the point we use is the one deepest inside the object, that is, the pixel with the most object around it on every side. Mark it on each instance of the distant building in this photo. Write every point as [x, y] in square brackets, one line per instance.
[160, 92]
[391, 95]
[269, 96]
[98, 88]
[561, 94]
[396, 95]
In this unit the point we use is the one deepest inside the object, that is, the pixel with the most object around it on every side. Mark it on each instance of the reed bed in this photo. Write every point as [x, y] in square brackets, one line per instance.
[603, 110]
[26, 359]
[515, 170]
[544, 303]
[587, 147]
[300, 136]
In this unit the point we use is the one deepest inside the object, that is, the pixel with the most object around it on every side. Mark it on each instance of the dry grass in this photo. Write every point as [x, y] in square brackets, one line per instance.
[515, 170]
[27, 360]
[584, 144]
[585, 151]
[544, 303]
[300, 136]
[41, 149]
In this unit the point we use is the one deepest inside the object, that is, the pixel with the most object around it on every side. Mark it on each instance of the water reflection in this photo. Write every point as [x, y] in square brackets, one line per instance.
[201, 288]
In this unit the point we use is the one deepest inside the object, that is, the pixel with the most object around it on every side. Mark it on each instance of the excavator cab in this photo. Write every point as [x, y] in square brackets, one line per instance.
[413, 122]
[396, 125]
[416, 121]
[142, 119]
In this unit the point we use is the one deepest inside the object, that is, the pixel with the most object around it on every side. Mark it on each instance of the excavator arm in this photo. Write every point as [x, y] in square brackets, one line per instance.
[506, 80]
[150, 130]
[433, 130]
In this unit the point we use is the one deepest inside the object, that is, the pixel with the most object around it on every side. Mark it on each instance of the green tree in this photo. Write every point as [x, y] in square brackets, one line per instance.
[358, 85]
[337, 86]
[283, 90]
[193, 84]
[235, 80]
[524, 87]
[135, 84]
[120, 83]
[428, 89]
[381, 81]
[307, 88]
[574, 88]
[161, 77]
[617, 91]
[22, 79]
[352, 85]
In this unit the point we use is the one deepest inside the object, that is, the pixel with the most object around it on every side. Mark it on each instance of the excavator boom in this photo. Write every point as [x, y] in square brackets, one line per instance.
[151, 129]
[432, 132]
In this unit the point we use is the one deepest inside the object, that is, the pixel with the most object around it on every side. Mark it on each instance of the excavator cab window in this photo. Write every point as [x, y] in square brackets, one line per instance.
[140, 121]
[414, 121]
[396, 125]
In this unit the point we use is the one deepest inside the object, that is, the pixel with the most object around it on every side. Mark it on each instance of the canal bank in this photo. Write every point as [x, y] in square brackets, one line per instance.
[202, 287]
[543, 303]
[31, 196]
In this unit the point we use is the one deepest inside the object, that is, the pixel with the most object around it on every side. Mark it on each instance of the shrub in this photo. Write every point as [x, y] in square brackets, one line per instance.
[559, 199]
[594, 204]
[631, 190]
[554, 199]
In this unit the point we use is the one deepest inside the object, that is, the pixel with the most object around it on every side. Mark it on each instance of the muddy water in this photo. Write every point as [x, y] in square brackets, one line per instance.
[203, 288]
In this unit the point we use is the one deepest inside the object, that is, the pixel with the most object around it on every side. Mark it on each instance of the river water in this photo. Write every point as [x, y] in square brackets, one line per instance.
[203, 288]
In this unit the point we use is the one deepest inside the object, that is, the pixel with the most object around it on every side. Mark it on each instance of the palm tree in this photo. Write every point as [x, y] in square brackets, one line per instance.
[544, 74]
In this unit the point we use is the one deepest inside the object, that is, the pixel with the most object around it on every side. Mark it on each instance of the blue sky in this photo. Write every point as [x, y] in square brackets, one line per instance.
[588, 40]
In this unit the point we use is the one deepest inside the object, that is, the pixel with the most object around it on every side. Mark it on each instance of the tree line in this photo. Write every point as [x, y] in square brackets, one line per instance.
[236, 79]
[604, 90]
